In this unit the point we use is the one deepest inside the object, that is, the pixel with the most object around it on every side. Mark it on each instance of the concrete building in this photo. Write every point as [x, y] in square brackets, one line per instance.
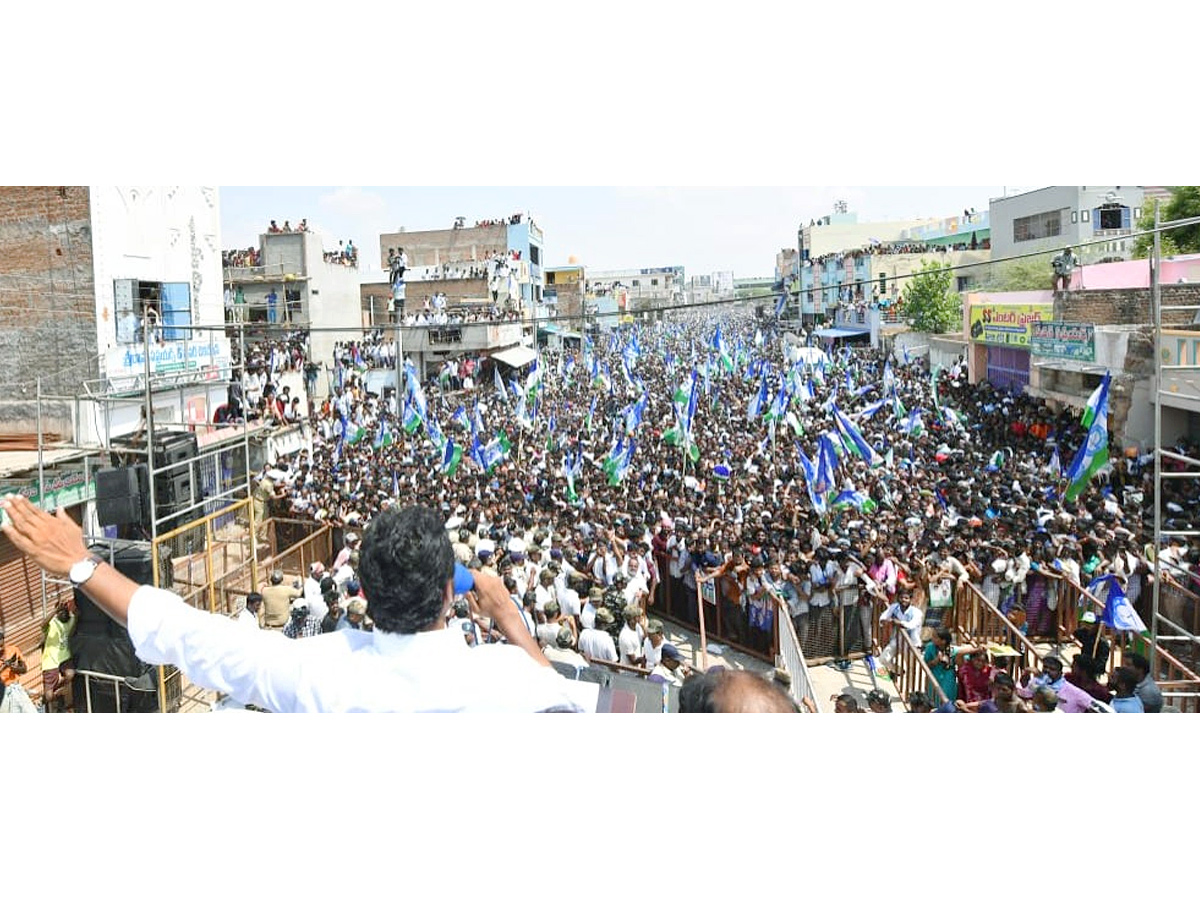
[460, 262]
[843, 262]
[87, 275]
[83, 270]
[1059, 345]
[564, 294]
[299, 282]
[1051, 218]
[642, 289]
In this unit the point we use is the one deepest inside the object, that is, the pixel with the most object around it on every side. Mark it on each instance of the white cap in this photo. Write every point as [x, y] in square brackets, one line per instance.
[454, 523]
[516, 545]
[485, 545]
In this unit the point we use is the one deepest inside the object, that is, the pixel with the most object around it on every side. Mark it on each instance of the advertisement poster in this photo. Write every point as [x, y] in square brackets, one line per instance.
[1064, 340]
[1007, 325]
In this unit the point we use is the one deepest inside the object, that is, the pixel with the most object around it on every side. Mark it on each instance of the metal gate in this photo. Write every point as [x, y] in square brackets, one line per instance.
[1008, 368]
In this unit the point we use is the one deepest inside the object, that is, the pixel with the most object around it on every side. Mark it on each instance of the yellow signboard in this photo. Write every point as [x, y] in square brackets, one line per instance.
[1008, 325]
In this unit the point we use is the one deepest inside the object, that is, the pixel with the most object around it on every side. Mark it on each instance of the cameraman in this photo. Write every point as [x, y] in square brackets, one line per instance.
[410, 663]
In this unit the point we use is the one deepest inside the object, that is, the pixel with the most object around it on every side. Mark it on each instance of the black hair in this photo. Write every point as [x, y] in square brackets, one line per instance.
[1124, 680]
[943, 633]
[1139, 663]
[405, 564]
[701, 693]
[918, 702]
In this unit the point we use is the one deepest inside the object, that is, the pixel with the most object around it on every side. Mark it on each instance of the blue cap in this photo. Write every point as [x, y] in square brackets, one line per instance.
[463, 579]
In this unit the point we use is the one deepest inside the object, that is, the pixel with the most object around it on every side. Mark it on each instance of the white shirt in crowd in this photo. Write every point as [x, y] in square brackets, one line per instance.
[629, 643]
[597, 644]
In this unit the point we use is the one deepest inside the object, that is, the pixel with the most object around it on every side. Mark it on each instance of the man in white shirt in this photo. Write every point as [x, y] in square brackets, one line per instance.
[250, 612]
[409, 663]
[595, 642]
[629, 642]
[904, 616]
[595, 601]
[545, 590]
[655, 641]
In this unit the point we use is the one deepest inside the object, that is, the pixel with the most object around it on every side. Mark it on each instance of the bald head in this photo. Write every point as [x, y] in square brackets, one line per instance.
[727, 691]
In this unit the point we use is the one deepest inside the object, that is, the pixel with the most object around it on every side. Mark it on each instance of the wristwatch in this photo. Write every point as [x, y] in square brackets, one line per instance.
[79, 573]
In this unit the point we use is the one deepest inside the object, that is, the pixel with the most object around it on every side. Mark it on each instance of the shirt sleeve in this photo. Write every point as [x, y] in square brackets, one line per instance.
[250, 665]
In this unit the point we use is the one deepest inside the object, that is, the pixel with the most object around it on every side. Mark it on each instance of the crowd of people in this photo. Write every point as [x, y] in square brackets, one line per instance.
[249, 258]
[287, 228]
[514, 219]
[346, 254]
[966, 485]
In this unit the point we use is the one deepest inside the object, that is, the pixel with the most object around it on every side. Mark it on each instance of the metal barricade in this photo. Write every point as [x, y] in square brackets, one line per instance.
[977, 617]
[911, 674]
[791, 659]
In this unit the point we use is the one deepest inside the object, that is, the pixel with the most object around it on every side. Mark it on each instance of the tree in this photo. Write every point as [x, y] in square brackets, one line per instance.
[929, 303]
[1184, 204]
[1032, 274]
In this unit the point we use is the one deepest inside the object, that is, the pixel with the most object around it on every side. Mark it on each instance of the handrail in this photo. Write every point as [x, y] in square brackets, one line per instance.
[913, 674]
[975, 615]
[792, 657]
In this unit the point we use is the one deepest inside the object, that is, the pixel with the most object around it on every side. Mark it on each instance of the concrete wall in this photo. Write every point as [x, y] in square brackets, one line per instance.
[47, 302]
[1125, 306]
[169, 234]
[942, 350]
[432, 248]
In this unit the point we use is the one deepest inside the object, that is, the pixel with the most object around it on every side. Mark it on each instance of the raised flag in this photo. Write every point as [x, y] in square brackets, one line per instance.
[461, 419]
[451, 457]
[867, 411]
[1093, 455]
[758, 401]
[383, 437]
[500, 384]
[1119, 614]
[854, 439]
[816, 497]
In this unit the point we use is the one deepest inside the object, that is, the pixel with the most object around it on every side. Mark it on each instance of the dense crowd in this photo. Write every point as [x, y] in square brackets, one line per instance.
[564, 485]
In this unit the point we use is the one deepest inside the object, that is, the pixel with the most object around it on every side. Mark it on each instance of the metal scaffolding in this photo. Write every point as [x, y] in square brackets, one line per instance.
[1162, 628]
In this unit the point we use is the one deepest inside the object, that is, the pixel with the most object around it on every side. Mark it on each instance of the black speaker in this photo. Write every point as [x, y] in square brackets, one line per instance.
[172, 490]
[99, 644]
[119, 497]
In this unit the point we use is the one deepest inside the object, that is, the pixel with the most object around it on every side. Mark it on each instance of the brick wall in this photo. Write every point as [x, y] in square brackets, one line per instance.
[1125, 306]
[47, 302]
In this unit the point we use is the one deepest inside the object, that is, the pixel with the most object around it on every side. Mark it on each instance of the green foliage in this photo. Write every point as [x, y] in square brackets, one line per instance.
[1184, 204]
[929, 303]
[1032, 274]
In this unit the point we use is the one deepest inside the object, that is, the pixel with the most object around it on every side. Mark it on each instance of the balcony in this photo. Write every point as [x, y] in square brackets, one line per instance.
[463, 338]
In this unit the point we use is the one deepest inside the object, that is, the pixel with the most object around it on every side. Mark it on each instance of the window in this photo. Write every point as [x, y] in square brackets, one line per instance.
[535, 255]
[1085, 215]
[635, 282]
[1037, 227]
[166, 307]
[549, 278]
[882, 284]
[962, 283]
[653, 282]
[1112, 217]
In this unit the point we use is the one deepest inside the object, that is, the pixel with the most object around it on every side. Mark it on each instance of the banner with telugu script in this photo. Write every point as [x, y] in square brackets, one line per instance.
[1007, 325]
[1064, 340]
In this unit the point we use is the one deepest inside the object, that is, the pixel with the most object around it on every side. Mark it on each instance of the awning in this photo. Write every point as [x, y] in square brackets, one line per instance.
[515, 356]
[842, 332]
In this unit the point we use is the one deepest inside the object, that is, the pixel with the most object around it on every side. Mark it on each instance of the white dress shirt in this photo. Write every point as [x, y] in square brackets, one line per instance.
[343, 671]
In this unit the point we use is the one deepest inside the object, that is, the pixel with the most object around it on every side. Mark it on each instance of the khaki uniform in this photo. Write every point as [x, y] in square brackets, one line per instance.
[277, 604]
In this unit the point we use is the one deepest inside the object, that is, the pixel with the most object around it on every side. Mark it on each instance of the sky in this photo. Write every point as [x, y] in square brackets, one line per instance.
[703, 229]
